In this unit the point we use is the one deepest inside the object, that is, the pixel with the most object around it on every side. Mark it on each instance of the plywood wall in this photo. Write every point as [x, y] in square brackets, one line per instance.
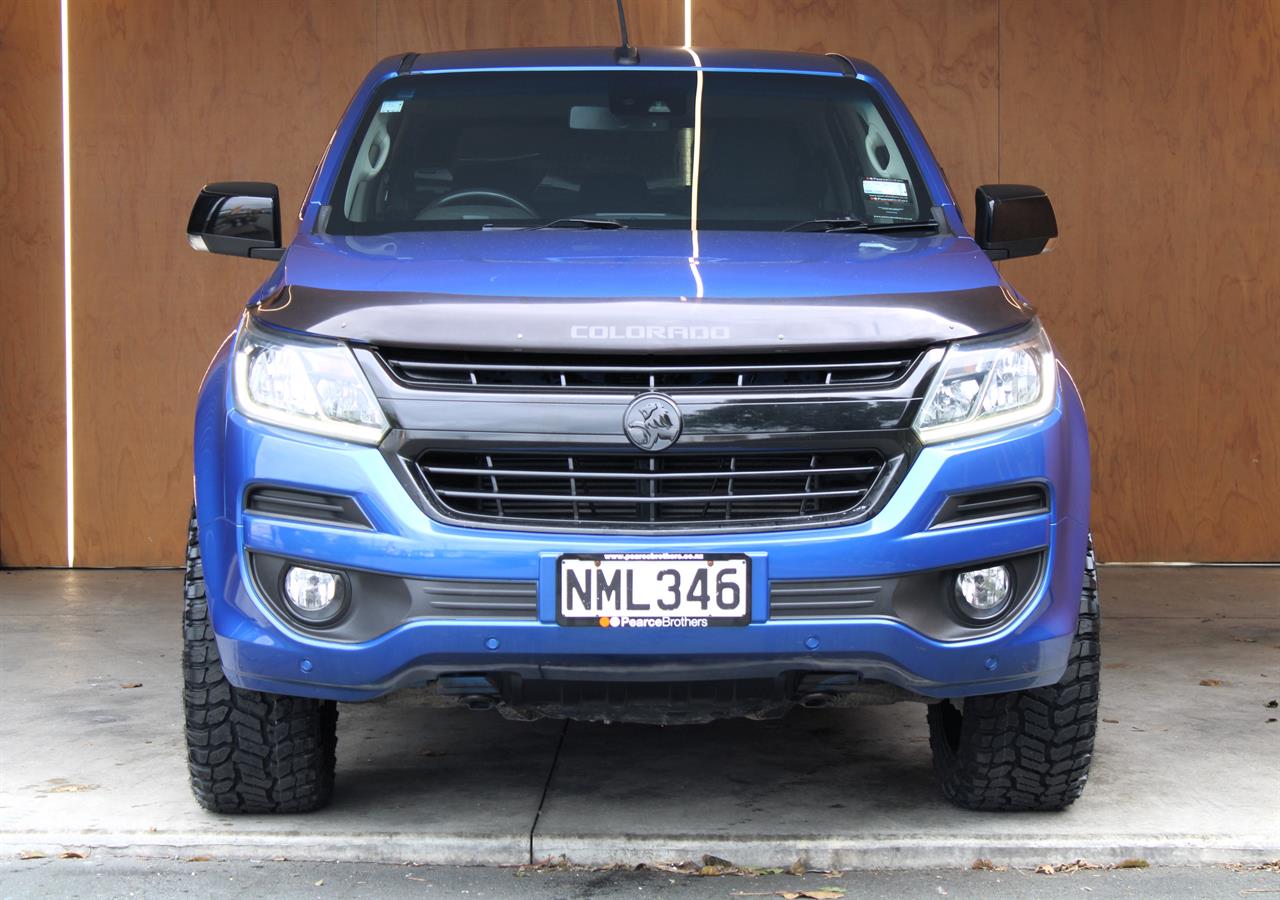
[1152, 123]
[1155, 127]
[233, 89]
[197, 92]
[32, 426]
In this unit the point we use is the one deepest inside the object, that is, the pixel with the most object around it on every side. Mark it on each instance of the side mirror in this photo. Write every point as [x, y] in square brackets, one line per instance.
[1013, 220]
[238, 218]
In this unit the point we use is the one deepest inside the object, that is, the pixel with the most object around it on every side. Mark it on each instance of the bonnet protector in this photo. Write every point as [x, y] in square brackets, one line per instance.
[675, 325]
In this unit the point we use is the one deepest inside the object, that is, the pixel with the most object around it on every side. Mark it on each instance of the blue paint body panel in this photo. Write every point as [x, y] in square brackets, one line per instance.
[261, 651]
[637, 264]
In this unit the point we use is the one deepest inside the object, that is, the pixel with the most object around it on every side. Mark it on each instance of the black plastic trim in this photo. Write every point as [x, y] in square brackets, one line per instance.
[311, 506]
[377, 602]
[401, 451]
[823, 419]
[634, 489]
[451, 322]
[1010, 501]
[923, 601]
[1013, 220]
[552, 373]
[214, 228]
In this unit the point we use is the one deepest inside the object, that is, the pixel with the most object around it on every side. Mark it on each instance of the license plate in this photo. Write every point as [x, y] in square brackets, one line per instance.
[653, 590]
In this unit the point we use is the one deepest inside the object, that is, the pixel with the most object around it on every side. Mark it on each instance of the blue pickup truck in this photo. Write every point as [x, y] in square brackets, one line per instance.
[664, 386]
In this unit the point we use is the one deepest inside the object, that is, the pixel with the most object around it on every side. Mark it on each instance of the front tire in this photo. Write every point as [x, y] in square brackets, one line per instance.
[247, 751]
[1025, 750]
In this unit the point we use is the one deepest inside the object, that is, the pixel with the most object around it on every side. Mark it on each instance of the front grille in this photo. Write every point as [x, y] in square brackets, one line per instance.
[618, 372]
[642, 490]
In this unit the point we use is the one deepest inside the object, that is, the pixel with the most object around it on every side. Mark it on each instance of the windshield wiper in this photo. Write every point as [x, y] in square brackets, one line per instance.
[596, 224]
[829, 226]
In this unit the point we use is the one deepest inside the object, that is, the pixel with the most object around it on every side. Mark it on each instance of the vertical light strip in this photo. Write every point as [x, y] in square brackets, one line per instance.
[688, 23]
[66, 286]
[697, 161]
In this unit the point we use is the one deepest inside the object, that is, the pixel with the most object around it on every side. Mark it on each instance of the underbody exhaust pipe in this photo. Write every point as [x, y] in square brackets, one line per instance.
[479, 701]
[818, 700]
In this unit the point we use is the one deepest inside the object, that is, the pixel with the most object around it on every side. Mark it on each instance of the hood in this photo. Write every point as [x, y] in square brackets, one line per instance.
[640, 291]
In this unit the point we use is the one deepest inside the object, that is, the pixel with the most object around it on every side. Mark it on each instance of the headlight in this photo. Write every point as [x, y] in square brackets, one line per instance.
[986, 384]
[309, 384]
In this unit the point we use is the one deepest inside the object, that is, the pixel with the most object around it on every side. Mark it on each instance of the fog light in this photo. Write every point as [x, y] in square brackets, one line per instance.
[984, 593]
[310, 590]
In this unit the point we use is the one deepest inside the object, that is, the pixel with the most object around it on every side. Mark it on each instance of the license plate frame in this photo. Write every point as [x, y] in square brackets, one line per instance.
[633, 615]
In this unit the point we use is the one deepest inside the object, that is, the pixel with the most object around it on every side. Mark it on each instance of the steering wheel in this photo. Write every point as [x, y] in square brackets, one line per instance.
[477, 194]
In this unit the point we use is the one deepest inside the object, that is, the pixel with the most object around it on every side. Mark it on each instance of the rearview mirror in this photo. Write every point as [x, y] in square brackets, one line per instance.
[238, 218]
[1013, 220]
[602, 118]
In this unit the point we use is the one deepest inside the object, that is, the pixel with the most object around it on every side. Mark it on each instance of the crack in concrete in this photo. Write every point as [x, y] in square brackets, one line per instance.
[546, 788]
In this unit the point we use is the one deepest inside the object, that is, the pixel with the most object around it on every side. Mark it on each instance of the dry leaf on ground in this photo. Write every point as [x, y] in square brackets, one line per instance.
[1082, 865]
[551, 863]
[1273, 866]
[715, 867]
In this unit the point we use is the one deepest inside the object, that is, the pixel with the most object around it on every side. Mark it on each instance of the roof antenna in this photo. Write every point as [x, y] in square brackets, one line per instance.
[626, 54]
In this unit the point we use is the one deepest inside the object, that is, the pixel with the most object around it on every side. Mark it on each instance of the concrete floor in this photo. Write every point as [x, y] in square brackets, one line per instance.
[1185, 773]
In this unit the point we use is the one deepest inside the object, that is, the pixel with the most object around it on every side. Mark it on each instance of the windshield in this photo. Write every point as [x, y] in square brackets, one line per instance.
[643, 149]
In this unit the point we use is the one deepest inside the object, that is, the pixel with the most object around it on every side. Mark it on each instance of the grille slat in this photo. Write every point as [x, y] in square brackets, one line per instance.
[647, 490]
[683, 498]
[576, 475]
[654, 368]
[416, 367]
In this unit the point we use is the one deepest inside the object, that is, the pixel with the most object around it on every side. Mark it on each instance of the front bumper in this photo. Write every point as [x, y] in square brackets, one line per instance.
[261, 651]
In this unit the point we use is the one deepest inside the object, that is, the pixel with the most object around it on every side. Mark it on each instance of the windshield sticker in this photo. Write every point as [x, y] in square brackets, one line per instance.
[888, 198]
[884, 187]
[391, 106]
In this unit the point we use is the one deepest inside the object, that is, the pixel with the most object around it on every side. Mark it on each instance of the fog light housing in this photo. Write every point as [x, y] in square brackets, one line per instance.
[983, 594]
[316, 595]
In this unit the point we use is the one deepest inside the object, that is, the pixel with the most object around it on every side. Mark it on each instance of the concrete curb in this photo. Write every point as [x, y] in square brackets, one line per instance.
[917, 852]
[872, 852]
[393, 848]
